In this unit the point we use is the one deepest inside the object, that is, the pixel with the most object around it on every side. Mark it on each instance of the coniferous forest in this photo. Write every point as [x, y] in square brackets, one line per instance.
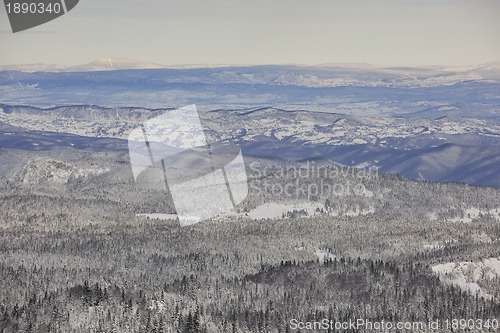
[80, 259]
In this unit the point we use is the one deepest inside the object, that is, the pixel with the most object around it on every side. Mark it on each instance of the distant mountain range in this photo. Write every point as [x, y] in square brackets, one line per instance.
[113, 63]
[342, 89]
[99, 64]
[434, 123]
[102, 64]
[445, 150]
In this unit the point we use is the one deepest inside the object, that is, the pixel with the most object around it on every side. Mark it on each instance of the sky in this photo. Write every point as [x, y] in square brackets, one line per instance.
[380, 32]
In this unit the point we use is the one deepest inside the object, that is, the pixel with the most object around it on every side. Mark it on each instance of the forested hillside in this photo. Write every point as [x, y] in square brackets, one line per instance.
[77, 258]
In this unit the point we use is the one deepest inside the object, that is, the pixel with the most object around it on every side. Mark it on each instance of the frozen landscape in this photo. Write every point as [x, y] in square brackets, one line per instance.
[382, 184]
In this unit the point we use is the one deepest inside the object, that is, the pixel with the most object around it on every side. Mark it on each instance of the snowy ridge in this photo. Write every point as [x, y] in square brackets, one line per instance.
[42, 171]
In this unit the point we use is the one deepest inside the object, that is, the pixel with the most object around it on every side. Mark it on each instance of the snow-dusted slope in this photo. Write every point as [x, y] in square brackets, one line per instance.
[469, 275]
[50, 172]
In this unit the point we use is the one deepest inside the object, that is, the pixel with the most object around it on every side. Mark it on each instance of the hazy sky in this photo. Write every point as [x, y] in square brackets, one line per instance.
[385, 32]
